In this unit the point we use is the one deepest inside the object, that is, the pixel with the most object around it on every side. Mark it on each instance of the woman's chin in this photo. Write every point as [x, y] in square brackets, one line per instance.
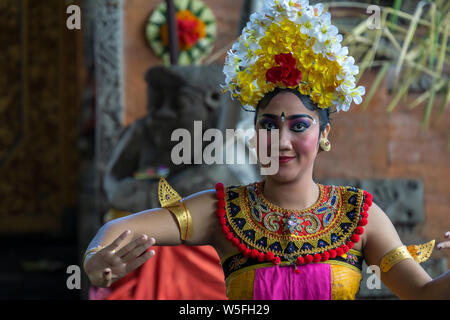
[283, 175]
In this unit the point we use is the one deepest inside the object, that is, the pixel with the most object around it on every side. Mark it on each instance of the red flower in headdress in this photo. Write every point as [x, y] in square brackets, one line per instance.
[286, 72]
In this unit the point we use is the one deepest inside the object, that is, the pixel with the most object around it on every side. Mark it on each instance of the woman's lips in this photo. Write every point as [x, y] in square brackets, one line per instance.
[284, 159]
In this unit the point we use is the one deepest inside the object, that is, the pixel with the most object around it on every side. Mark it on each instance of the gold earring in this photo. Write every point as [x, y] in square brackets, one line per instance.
[325, 144]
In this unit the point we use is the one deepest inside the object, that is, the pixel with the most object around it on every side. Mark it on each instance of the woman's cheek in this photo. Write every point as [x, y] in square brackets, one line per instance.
[306, 145]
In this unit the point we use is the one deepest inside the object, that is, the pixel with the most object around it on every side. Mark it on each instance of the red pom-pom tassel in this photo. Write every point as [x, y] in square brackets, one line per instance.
[219, 186]
[235, 241]
[254, 253]
[269, 256]
[332, 253]
[363, 222]
[345, 248]
[369, 199]
[300, 260]
[221, 203]
[325, 256]
[317, 257]
[220, 194]
[359, 230]
[261, 256]
[339, 252]
[354, 238]
[247, 252]
[309, 258]
[242, 247]
[220, 212]
[276, 260]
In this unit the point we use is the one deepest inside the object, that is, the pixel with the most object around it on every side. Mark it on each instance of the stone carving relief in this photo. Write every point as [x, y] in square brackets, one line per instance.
[177, 96]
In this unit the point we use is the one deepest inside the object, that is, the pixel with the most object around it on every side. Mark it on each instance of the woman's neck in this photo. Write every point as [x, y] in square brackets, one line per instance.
[295, 195]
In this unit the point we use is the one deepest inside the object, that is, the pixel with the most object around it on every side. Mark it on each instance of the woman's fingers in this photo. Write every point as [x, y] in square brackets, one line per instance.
[136, 263]
[107, 277]
[445, 244]
[115, 244]
[132, 245]
[138, 250]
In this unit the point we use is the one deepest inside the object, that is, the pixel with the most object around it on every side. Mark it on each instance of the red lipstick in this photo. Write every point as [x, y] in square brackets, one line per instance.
[284, 159]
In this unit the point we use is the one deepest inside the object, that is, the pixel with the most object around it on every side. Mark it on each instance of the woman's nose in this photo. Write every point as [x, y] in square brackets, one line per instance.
[285, 140]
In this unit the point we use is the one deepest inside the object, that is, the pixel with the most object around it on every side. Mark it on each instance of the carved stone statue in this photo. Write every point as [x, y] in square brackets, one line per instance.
[177, 96]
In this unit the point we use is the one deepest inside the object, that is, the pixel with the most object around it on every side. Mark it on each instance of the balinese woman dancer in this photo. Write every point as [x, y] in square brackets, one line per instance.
[285, 237]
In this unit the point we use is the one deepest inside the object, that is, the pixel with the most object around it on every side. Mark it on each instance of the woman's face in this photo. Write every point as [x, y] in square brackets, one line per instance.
[298, 135]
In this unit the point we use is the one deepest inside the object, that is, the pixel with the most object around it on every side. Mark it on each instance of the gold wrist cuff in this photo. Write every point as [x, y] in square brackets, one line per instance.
[171, 200]
[419, 253]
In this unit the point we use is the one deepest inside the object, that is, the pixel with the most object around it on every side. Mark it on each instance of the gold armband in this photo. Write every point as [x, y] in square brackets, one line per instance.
[419, 253]
[171, 200]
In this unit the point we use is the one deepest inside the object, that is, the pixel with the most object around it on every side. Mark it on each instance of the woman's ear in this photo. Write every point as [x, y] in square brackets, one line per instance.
[325, 132]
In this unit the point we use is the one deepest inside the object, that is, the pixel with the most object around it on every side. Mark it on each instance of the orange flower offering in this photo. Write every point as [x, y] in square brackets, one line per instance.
[189, 28]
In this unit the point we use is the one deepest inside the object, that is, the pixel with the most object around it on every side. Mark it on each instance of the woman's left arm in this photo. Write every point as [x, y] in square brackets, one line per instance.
[406, 279]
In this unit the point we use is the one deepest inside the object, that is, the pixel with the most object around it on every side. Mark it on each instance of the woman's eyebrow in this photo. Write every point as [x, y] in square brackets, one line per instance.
[295, 116]
[269, 115]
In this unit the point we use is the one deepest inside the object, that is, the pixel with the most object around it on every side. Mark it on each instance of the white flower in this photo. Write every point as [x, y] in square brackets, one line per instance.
[342, 98]
[230, 66]
[325, 30]
[341, 55]
[348, 68]
[308, 24]
[357, 93]
[317, 9]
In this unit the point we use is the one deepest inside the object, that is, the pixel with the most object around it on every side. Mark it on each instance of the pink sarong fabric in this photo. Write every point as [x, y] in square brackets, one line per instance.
[312, 282]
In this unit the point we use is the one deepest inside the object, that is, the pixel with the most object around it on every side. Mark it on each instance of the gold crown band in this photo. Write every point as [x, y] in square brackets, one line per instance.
[171, 200]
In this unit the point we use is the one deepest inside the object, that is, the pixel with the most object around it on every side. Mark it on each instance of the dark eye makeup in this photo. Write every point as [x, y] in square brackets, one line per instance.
[268, 124]
[298, 123]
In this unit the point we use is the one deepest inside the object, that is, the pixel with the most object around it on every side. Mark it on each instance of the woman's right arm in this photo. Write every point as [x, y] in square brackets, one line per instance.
[119, 257]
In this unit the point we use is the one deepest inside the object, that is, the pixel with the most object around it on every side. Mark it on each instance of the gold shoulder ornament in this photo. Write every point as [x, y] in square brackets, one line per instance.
[171, 200]
[419, 253]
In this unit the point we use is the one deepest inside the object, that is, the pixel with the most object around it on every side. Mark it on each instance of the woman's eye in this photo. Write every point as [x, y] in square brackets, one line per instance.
[268, 125]
[300, 126]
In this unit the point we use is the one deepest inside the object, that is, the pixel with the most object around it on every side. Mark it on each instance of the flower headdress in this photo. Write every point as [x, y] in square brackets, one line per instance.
[291, 44]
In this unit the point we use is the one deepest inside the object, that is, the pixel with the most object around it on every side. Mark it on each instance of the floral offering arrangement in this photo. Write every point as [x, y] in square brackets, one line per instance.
[196, 30]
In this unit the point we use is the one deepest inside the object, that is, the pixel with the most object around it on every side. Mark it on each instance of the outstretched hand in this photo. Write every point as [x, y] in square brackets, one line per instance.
[108, 265]
[445, 244]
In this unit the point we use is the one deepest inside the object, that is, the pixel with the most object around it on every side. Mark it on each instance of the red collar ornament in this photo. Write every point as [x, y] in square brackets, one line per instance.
[350, 233]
